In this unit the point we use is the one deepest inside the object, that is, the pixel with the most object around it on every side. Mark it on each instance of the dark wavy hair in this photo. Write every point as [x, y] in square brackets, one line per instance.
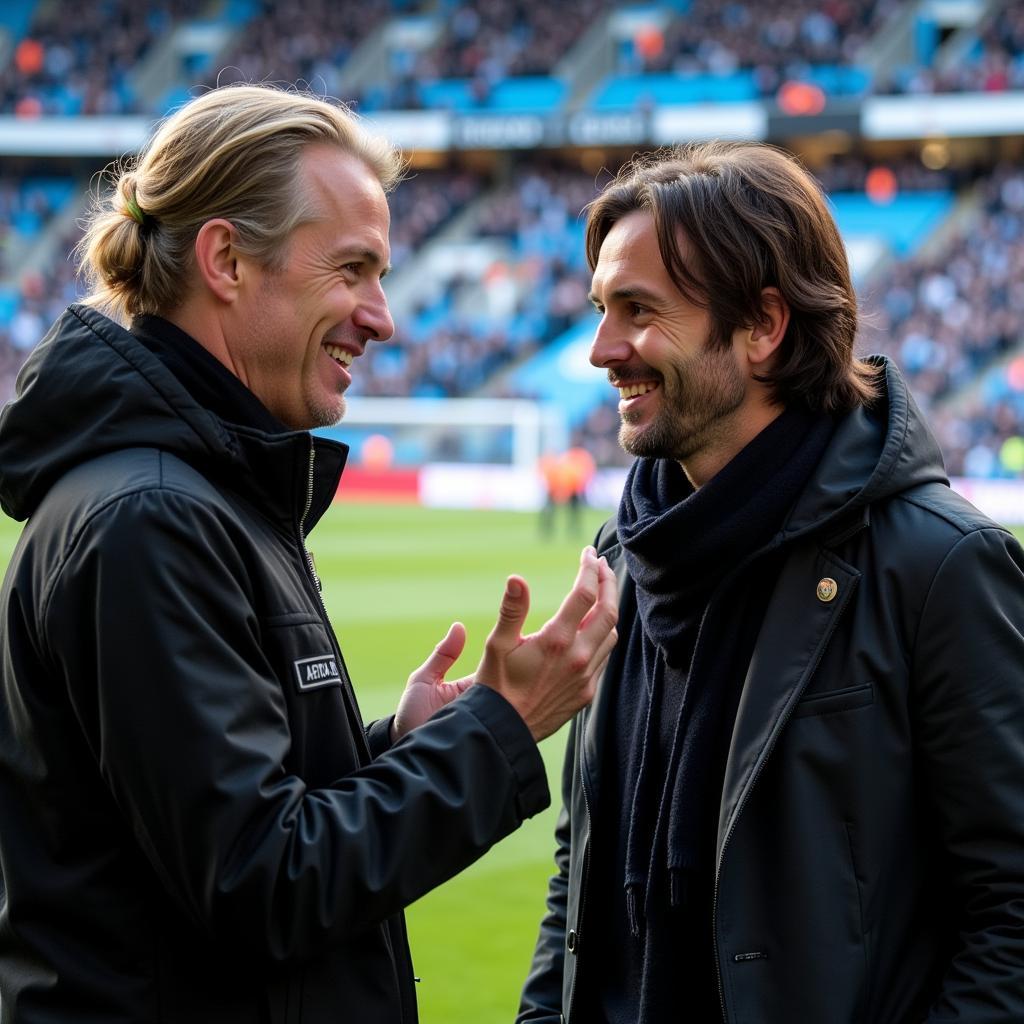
[733, 219]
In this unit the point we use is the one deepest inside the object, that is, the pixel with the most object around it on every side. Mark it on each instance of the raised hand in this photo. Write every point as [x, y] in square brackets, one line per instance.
[549, 675]
[426, 690]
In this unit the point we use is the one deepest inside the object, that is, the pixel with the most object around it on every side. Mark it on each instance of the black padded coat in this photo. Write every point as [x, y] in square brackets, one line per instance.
[194, 824]
[870, 847]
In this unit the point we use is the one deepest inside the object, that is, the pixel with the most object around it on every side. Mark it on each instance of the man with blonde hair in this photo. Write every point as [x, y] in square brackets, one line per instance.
[195, 825]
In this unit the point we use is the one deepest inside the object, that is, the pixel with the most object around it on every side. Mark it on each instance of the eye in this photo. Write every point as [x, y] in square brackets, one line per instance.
[636, 309]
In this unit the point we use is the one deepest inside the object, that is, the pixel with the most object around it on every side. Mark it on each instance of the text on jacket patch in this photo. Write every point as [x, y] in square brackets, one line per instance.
[315, 672]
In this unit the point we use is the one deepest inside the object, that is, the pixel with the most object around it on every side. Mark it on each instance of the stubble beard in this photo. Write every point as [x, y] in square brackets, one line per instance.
[698, 398]
[322, 413]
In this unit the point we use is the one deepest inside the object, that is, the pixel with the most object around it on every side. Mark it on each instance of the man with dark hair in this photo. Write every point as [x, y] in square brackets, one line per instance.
[796, 797]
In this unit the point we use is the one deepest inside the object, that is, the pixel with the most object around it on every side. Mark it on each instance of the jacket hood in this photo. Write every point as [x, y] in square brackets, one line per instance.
[877, 451]
[90, 388]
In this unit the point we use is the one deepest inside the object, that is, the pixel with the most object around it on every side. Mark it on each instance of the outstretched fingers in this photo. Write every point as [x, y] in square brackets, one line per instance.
[565, 623]
[603, 613]
[601, 653]
[507, 633]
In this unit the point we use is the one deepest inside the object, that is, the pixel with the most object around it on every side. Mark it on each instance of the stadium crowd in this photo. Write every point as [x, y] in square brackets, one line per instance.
[949, 315]
[487, 316]
[81, 59]
[774, 40]
[945, 316]
[307, 41]
[425, 203]
[26, 207]
[995, 62]
[496, 39]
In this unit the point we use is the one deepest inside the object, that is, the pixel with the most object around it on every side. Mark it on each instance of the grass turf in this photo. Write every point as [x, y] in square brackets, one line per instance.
[394, 578]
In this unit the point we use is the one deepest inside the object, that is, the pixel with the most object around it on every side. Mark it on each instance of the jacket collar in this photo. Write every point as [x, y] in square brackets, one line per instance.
[877, 451]
[90, 388]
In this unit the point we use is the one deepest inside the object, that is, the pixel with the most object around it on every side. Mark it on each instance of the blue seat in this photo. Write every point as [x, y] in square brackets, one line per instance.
[9, 300]
[448, 94]
[560, 372]
[838, 80]
[528, 94]
[904, 223]
[630, 91]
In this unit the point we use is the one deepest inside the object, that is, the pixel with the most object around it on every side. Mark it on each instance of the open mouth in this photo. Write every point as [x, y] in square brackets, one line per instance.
[634, 390]
[339, 355]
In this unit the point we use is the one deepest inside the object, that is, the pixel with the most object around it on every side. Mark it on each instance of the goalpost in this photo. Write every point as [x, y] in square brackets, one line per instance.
[496, 431]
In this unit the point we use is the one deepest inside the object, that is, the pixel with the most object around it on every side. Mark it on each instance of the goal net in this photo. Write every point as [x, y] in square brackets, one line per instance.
[494, 431]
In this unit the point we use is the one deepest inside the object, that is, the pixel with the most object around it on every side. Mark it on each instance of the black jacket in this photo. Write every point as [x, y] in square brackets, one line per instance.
[870, 848]
[194, 825]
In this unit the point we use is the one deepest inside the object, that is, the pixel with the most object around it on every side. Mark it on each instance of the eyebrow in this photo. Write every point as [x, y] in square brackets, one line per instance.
[370, 256]
[630, 294]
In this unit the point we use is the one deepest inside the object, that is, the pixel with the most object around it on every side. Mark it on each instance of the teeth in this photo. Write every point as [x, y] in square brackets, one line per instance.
[339, 355]
[635, 389]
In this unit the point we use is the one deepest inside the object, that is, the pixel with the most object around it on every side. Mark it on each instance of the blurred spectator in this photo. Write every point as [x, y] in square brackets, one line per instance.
[947, 318]
[79, 58]
[486, 318]
[489, 40]
[994, 64]
[776, 39]
[424, 203]
[849, 173]
[25, 210]
[566, 476]
[304, 41]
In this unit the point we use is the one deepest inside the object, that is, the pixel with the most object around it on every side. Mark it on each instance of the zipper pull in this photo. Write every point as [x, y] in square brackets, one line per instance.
[312, 569]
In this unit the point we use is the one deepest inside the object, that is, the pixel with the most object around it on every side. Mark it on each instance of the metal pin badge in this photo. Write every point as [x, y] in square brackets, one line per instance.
[827, 589]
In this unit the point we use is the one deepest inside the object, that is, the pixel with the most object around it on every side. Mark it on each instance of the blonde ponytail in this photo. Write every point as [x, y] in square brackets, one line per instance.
[233, 153]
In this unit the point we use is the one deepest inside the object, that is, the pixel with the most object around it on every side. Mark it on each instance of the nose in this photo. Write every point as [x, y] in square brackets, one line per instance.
[609, 347]
[373, 315]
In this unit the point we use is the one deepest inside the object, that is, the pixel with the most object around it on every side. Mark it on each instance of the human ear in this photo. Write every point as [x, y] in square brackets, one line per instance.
[217, 259]
[766, 335]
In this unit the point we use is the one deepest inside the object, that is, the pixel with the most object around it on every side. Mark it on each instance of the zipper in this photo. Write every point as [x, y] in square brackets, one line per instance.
[346, 680]
[407, 992]
[305, 514]
[586, 868]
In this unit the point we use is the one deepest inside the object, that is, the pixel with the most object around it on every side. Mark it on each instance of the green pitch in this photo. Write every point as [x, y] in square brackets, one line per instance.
[394, 578]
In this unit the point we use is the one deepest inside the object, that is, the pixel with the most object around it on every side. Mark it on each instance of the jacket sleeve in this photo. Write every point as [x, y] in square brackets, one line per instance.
[378, 735]
[542, 992]
[150, 621]
[968, 670]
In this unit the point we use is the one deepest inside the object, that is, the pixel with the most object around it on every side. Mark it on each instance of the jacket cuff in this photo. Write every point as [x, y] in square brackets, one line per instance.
[378, 735]
[516, 741]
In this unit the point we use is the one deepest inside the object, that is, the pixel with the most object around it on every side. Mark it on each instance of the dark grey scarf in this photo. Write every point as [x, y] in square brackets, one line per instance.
[679, 545]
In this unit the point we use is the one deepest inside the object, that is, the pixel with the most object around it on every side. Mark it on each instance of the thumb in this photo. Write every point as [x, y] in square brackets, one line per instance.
[444, 655]
[515, 604]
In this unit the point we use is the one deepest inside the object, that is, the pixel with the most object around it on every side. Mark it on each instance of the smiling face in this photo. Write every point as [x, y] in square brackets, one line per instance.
[680, 395]
[301, 326]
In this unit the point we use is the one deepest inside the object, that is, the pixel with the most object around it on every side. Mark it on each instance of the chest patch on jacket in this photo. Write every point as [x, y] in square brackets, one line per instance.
[313, 673]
